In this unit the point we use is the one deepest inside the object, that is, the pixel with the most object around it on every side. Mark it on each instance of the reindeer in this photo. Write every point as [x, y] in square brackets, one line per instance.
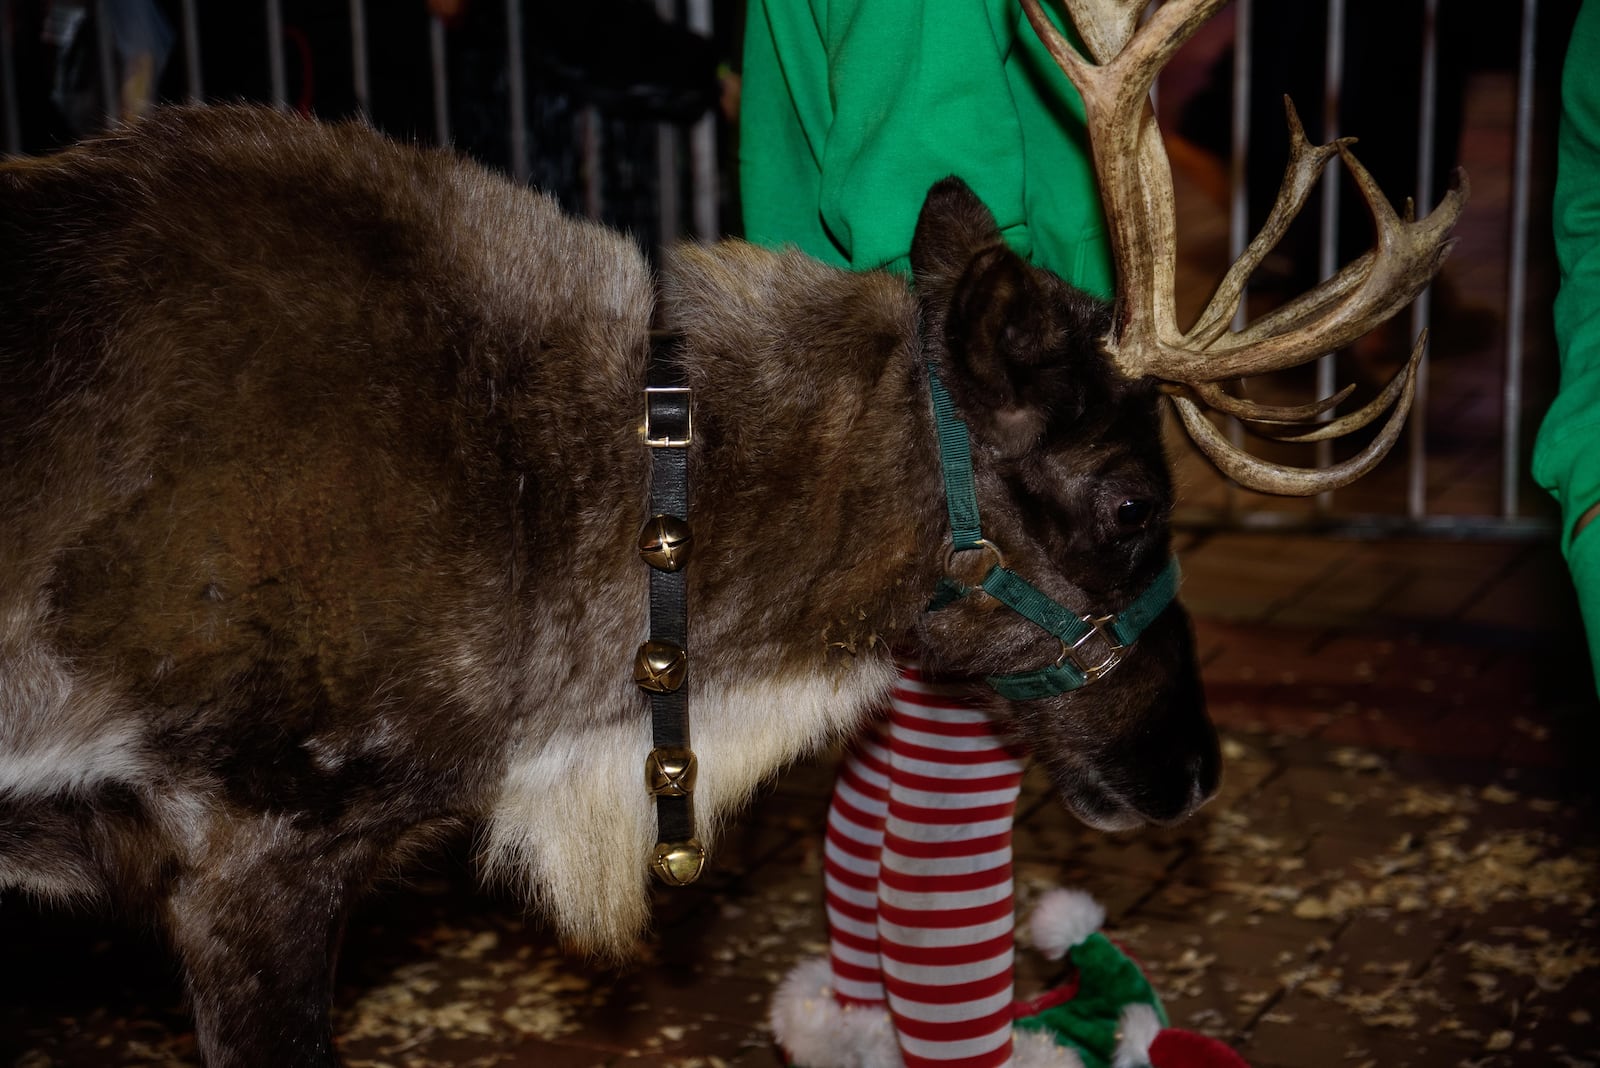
[323, 474]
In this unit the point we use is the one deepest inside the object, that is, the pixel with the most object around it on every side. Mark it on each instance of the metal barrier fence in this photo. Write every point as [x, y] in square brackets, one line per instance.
[473, 60]
[1413, 495]
[479, 98]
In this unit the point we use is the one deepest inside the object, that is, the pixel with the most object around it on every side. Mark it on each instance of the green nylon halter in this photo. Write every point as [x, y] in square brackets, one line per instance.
[1080, 663]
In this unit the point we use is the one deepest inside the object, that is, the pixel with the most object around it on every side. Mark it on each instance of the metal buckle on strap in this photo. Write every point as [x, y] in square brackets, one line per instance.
[667, 441]
[1080, 655]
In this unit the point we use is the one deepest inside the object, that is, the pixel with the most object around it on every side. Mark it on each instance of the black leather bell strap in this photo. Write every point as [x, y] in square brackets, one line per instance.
[662, 664]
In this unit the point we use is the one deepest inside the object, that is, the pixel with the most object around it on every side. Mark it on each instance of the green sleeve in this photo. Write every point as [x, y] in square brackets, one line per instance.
[1566, 456]
[851, 109]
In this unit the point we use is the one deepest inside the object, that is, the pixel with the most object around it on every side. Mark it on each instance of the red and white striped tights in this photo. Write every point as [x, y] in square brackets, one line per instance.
[918, 878]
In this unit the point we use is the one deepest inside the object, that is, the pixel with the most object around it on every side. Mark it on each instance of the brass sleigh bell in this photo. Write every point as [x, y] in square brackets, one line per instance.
[678, 863]
[669, 771]
[659, 666]
[665, 543]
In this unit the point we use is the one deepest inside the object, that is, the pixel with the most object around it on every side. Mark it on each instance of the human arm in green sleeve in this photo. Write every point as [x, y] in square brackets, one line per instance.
[1566, 458]
[854, 108]
[785, 113]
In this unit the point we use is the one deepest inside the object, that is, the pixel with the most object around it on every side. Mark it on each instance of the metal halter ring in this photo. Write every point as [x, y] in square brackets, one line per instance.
[1113, 653]
[950, 552]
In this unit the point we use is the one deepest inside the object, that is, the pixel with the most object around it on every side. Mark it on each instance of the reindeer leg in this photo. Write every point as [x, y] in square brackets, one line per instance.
[258, 932]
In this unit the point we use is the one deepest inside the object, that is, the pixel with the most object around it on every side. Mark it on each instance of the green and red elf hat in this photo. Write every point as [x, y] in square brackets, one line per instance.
[1107, 1012]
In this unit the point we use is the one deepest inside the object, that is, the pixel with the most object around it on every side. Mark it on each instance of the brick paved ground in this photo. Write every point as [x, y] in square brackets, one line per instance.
[1400, 871]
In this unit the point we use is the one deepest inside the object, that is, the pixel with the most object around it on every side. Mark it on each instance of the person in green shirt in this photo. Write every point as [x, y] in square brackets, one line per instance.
[1566, 456]
[852, 109]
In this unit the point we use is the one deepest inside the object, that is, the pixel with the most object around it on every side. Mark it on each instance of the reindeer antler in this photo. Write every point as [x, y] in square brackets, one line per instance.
[1136, 189]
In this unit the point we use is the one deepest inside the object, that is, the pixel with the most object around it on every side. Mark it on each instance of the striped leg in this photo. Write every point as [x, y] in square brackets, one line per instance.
[850, 869]
[945, 891]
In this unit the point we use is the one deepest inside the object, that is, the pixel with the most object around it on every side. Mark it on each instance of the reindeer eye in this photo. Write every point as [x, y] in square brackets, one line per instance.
[1132, 514]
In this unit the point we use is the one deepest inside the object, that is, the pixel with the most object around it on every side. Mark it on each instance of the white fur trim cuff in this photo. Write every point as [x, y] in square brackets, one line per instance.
[1140, 1025]
[815, 1031]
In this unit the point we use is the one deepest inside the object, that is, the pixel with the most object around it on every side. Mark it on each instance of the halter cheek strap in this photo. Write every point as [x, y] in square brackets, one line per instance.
[1091, 645]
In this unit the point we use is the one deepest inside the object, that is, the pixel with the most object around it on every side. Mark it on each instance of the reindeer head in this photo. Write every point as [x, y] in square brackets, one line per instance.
[1059, 397]
[1074, 497]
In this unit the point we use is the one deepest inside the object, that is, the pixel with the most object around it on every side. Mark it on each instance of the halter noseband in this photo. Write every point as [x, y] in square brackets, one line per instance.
[1090, 645]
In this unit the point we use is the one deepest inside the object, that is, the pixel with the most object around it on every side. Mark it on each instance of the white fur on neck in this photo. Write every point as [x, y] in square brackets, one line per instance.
[575, 828]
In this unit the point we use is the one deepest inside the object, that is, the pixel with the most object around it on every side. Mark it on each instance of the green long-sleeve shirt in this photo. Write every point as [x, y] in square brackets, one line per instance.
[1566, 457]
[852, 108]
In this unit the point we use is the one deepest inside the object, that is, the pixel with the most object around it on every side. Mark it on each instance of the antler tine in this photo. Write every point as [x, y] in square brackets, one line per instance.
[1256, 473]
[1104, 27]
[1107, 27]
[1306, 162]
[1355, 420]
[1129, 160]
[1368, 291]
[1136, 190]
[1213, 396]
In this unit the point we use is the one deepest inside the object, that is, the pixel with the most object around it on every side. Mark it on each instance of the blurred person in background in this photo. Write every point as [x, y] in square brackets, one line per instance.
[1566, 456]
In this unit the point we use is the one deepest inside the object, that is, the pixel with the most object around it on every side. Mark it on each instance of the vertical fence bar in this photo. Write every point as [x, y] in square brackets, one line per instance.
[1517, 287]
[360, 77]
[668, 194]
[517, 92]
[105, 52]
[191, 53]
[668, 190]
[1332, 91]
[8, 82]
[591, 147]
[703, 144]
[275, 64]
[1421, 310]
[1239, 182]
[441, 80]
[1239, 174]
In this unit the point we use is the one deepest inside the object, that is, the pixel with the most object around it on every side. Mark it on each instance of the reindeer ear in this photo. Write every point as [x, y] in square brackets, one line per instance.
[953, 225]
[1016, 347]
